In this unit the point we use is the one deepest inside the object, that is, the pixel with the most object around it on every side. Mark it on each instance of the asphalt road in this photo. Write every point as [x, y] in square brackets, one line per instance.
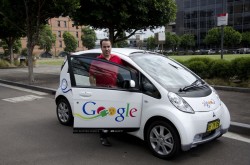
[31, 134]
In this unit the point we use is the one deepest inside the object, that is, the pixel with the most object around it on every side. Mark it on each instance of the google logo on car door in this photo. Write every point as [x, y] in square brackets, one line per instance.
[100, 111]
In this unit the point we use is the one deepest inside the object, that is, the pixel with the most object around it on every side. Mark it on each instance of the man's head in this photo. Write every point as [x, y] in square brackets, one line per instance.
[106, 47]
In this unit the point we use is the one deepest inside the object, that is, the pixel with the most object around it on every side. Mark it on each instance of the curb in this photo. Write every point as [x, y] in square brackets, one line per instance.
[235, 127]
[33, 87]
[239, 128]
[235, 89]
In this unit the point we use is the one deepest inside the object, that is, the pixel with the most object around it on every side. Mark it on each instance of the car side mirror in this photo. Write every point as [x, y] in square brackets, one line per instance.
[128, 84]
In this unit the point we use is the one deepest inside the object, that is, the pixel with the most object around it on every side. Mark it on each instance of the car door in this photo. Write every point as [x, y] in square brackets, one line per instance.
[103, 106]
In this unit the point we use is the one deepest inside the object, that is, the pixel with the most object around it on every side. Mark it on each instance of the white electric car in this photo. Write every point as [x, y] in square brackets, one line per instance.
[155, 99]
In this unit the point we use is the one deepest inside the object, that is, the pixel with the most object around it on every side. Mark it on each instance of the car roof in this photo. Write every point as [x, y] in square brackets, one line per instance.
[124, 51]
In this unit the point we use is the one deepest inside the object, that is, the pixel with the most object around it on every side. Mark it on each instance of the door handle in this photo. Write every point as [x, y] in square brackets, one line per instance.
[85, 94]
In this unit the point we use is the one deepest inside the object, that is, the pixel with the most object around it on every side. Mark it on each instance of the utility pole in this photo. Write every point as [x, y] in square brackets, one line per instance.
[222, 33]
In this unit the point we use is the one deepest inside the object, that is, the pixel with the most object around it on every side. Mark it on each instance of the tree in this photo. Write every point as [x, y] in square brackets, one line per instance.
[213, 37]
[70, 42]
[122, 43]
[88, 37]
[46, 38]
[245, 39]
[29, 15]
[187, 41]
[231, 36]
[172, 41]
[16, 46]
[10, 33]
[151, 43]
[125, 15]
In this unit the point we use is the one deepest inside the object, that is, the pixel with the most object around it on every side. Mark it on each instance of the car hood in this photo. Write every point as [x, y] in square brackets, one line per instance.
[204, 104]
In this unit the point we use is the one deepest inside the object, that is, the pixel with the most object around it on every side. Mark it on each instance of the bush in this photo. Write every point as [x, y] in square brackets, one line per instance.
[208, 61]
[16, 63]
[241, 68]
[206, 64]
[4, 64]
[181, 61]
[198, 67]
[221, 69]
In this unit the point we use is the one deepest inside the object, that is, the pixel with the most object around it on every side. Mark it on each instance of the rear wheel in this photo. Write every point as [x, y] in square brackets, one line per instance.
[163, 140]
[64, 113]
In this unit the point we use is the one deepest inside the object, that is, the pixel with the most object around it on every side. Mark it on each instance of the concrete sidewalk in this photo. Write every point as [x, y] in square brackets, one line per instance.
[47, 80]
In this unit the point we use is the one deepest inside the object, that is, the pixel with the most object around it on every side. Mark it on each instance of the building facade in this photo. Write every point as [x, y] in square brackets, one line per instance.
[59, 26]
[199, 16]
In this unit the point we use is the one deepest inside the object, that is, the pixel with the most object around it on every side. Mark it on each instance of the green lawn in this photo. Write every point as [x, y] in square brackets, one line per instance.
[228, 57]
[50, 61]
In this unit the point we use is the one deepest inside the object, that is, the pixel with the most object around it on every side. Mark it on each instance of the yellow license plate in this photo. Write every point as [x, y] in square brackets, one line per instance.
[212, 125]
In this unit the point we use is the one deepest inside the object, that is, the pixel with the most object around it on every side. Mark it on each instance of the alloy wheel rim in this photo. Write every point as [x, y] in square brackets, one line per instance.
[161, 140]
[63, 112]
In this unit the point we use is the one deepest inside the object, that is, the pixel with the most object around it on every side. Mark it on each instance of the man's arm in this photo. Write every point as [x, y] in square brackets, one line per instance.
[92, 80]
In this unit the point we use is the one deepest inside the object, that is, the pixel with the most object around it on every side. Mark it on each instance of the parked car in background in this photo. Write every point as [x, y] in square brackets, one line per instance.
[211, 51]
[153, 98]
[62, 54]
[46, 55]
[204, 51]
[243, 50]
[225, 51]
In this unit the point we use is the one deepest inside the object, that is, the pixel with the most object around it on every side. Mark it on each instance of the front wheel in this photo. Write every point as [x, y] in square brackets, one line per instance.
[163, 140]
[64, 113]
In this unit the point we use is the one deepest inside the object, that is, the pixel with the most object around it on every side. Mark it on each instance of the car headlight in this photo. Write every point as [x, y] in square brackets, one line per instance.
[180, 103]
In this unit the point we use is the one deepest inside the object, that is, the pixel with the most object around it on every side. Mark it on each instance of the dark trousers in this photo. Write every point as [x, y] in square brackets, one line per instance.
[104, 133]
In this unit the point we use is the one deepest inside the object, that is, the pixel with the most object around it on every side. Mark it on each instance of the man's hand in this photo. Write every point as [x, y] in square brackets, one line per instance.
[92, 80]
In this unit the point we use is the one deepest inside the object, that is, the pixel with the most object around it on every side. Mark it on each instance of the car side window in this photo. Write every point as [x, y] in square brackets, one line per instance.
[149, 89]
[105, 74]
[80, 69]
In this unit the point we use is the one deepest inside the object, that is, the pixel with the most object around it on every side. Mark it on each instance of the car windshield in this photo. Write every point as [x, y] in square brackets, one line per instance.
[165, 71]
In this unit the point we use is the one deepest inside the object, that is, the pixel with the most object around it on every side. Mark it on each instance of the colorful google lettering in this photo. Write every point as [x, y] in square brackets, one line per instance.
[101, 111]
[208, 103]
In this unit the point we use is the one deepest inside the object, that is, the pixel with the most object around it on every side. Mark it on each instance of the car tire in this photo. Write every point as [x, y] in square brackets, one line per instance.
[164, 148]
[64, 112]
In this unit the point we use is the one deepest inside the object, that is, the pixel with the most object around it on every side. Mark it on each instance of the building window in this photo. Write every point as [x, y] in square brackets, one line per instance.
[77, 34]
[211, 2]
[60, 44]
[187, 4]
[59, 34]
[187, 15]
[203, 3]
[203, 13]
[230, 10]
[202, 24]
[247, 7]
[65, 24]
[247, 20]
[58, 23]
[238, 8]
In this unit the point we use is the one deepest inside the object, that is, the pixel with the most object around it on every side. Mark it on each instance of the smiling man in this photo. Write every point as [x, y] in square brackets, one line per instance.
[104, 75]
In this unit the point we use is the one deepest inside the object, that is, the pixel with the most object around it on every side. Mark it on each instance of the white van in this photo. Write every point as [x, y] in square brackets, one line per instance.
[156, 99]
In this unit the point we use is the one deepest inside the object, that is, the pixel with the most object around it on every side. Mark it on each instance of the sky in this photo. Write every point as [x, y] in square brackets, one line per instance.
[101, 34]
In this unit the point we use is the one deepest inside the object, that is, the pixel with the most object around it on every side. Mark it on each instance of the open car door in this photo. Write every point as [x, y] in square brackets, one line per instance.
[102, 106]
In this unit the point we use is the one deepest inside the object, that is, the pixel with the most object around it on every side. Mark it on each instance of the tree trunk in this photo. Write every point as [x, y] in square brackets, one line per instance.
[10, 42]
[30, 48]
[111, 35]
[10, 47]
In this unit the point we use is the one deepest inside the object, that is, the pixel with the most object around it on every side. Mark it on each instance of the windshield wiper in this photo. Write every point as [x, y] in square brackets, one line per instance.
[196, 83]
